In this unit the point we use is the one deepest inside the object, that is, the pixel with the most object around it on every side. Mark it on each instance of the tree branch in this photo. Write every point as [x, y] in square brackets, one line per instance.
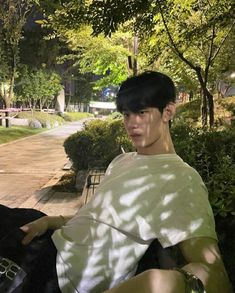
[222, 42]
[209, 59]
[175, 48]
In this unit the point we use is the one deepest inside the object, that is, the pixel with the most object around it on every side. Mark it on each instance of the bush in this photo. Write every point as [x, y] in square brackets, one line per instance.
[97, 144]
[212, 154]
[115, 115]
[189, 112]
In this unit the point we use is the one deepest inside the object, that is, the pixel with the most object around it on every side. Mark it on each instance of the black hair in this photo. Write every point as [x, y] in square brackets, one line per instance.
[149, 89]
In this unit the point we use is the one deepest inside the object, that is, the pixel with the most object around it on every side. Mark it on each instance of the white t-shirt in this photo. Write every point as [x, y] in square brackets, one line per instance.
[140, 198]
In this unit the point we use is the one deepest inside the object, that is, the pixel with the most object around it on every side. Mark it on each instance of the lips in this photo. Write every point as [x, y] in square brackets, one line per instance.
[133, 136]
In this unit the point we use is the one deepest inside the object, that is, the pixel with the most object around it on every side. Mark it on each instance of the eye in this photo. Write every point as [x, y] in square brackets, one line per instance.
[126, 114]
[142, 112]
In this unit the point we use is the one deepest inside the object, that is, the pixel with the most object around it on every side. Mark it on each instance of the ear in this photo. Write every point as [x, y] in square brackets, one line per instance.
[169, 111]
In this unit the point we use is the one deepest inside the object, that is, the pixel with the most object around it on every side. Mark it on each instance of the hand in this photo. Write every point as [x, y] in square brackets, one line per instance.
[34, 229]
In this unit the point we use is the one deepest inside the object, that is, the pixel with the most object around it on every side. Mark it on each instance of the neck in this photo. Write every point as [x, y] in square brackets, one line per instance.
[153, 151]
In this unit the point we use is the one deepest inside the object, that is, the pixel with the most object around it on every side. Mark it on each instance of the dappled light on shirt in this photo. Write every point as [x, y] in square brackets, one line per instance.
[165, 215]
[168, 198]
[194, 225]
[112, 231]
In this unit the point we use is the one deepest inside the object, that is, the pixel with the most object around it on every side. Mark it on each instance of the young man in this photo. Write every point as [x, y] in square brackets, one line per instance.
[145, 195]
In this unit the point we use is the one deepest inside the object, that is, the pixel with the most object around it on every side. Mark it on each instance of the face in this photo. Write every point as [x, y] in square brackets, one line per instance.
[147, 130]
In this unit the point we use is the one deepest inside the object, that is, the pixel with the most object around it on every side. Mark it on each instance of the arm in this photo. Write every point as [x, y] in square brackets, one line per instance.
[41, 225]
[205, 262]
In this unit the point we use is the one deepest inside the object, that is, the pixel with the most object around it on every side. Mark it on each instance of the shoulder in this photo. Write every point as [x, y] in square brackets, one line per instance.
[120, 159]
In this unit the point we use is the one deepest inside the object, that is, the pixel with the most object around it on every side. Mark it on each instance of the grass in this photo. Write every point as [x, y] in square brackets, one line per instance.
[16, 132]
[75, 116]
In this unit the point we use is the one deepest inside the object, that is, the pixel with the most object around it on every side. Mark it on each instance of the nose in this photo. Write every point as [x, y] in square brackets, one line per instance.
[132, 122]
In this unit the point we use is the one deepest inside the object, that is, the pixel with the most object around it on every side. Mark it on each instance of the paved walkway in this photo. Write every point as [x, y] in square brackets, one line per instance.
[29, 167]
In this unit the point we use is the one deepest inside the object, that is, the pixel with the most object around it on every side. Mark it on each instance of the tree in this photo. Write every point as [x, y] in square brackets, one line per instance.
[13, 14]
[37, 50]
[194, 31]
[106, 57]
[38, 88]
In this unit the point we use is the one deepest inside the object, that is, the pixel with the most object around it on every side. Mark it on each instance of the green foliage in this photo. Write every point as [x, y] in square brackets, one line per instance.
[13, 15]
[84, 86]
[189, 112]
[39, 51]
[38, 87]
[116, 115]
[212, 154]
[97, 144]
[104, 57]
[195, 33]
[76, 116]
[225, 111]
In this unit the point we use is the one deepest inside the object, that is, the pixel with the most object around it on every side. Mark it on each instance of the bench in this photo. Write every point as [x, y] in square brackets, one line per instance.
[6, 115]
[92, 180]
[5, 118]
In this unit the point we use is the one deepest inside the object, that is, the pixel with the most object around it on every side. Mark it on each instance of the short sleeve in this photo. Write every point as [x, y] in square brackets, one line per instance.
[185, 213]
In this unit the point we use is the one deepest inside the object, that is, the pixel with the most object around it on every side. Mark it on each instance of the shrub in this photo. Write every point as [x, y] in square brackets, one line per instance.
[97, 144]
[115, 115]
[212, 154]
[189, 112]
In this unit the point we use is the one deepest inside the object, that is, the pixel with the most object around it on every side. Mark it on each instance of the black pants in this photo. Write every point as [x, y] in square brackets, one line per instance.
[38, 259]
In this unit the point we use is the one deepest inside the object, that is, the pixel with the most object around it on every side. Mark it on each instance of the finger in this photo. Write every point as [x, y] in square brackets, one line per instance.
[27, 239]
[25, 228]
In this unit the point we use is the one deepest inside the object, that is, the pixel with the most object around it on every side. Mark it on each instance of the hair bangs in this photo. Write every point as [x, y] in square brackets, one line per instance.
[135, 99]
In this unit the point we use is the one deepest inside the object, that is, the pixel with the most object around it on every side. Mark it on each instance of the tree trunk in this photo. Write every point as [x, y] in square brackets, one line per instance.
[7, 99]
[135, 51]
[204, 109]
[210, 108]
[11, 90]
[207, 108]
[207, 101]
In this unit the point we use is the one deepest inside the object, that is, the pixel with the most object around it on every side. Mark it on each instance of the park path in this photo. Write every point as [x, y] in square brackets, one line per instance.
[29, 167]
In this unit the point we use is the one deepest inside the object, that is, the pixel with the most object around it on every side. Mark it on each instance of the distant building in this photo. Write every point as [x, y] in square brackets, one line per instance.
[225, 86]
[102, 107]
[225, 89]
